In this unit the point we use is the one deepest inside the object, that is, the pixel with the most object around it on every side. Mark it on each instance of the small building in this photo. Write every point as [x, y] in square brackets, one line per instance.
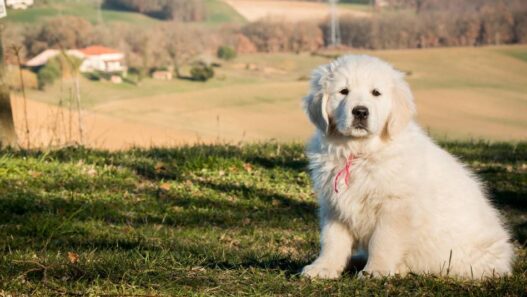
[162, 75]
[104, 59]
[94, 58]
[116, 79]
[18, 4]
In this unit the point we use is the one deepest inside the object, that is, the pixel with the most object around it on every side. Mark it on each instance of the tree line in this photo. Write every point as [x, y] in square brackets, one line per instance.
[438, 23]
[179, 10]
[434, 23]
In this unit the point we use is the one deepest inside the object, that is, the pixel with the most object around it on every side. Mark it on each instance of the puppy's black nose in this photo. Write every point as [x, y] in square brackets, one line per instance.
[360, 112]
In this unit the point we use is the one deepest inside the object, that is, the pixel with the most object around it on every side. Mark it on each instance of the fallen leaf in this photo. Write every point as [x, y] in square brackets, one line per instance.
[165, 186]
[248, 167]
[73, 257]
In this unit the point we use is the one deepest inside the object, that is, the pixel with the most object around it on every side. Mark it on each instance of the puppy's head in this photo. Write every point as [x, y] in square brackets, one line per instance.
[359, 96]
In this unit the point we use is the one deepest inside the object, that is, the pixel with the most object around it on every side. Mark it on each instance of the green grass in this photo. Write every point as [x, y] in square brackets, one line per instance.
[218, 12]
[515, 52]
[461, 93]
[83, 9]
[203, 220]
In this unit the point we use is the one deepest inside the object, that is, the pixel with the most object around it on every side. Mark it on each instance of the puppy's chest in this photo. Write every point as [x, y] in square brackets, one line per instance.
[357, 202]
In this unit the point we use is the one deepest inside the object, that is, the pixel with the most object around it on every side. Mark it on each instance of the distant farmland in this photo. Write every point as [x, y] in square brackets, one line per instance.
[476, 93]
[253, 10]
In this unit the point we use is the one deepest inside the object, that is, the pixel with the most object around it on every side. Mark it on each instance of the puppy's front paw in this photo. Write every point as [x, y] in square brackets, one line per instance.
[320, 271]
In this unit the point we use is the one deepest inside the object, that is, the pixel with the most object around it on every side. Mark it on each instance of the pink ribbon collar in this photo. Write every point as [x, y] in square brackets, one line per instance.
[346, 171]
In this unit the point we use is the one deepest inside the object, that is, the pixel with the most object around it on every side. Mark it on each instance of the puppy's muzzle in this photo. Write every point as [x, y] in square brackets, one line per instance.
[360, 113]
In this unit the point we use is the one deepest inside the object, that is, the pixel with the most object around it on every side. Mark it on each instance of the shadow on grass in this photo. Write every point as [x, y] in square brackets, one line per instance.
[36, 218]
[176, 162]
[297, 207]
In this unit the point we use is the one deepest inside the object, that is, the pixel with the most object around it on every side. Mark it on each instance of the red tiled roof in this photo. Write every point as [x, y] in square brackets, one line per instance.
[98, 50]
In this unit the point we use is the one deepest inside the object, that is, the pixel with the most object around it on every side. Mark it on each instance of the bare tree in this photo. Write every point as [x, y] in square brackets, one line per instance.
[181, 44]
[74, 65]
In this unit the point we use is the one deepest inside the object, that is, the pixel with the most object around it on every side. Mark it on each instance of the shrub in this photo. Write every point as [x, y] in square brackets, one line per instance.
[95, 76]
[13, 79]
[200, 71]
[226, 53]
[45, 78]
[48, 74]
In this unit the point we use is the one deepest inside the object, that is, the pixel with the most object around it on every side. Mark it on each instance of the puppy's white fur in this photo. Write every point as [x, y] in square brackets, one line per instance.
[410, 205]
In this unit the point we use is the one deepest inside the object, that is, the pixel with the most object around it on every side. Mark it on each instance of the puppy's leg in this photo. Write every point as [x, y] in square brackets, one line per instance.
[336, 243]
[389, 241]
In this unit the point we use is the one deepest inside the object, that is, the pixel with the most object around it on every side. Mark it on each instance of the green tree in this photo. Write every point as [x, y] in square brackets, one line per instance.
[47, 75]
[200, 71]
[226, 53]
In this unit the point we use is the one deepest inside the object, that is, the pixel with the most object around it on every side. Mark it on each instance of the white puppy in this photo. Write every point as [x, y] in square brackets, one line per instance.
[386, 188]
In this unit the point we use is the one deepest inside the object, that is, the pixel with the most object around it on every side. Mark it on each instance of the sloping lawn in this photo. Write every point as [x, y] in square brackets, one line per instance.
[217, 11]
[203, 220]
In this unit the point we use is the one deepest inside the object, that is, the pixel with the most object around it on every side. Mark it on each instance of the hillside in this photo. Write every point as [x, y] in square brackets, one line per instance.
[204, 220]
[253, 10]
[479, 96]
[218, 12]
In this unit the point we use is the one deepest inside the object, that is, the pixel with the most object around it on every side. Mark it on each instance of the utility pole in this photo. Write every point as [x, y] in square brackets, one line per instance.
[334, 24]
[99, 12]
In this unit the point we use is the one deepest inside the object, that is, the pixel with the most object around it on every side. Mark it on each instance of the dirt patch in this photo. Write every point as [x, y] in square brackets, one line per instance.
[53, 126]
[253, 10]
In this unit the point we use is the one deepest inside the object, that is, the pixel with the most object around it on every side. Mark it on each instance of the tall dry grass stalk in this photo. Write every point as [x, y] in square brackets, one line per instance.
[17, 49]
[74, 65]
[79, 110]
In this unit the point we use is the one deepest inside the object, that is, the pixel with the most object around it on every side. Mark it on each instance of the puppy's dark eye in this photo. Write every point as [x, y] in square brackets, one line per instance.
[375, 93]
[344, 91]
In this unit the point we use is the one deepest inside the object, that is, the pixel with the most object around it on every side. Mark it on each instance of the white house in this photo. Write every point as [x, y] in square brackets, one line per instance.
[95, 58]
[100, 58]
[19, 4]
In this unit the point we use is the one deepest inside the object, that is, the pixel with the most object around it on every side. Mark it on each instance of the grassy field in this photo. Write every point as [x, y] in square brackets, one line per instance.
[218, 12]
[203, 220]
[474, 93]
[83, 9]
[461, 93]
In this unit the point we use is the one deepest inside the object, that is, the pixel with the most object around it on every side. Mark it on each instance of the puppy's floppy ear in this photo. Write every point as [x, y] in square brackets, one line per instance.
[315, 103]
[403, 107]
